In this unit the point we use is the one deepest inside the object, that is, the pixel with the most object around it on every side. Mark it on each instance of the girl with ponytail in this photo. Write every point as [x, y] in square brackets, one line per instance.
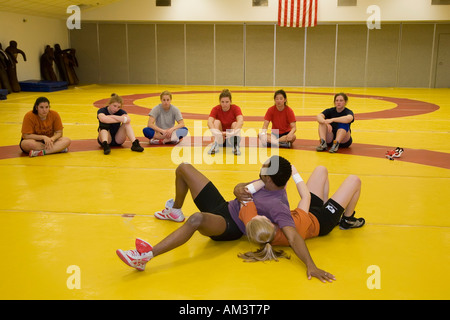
[114, 126]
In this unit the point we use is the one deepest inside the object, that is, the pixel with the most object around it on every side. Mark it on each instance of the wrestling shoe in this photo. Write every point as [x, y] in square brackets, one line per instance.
[214, 149]
[351, 222]
[398, 152]
[106, 148]
[36, 153]
[170, 213]
[135, 259]
[136, 146]
[394, 153]
[334, 148]
[156, 141]
[236, 150]
[322, 146]
[143, 246]
[286, 144]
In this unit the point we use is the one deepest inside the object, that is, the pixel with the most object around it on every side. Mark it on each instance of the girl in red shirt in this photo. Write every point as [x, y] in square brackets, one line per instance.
[283, 123]
[225, 122]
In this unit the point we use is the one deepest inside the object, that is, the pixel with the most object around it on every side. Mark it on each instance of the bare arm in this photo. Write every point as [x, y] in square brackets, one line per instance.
[297, 243]
[320, 118]
[344, 119]
[239, 121]
[152, 124]
[293, 129]
[48, 141]
[112, 118]
[265, 125]
[211, 122]
[303, 191]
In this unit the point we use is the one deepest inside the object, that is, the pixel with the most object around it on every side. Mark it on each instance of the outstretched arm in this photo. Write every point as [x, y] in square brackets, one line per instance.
[297, 243]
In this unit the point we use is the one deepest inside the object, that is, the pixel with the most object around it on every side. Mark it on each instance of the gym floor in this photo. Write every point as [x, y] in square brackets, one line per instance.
[62, 216]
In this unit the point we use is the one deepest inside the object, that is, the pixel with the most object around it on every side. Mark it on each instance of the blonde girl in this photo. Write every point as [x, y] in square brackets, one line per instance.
[312, 216]
[114, 126]
[161, 127]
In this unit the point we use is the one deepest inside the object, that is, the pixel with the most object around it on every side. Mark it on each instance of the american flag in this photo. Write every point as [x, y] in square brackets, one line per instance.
[297, 13]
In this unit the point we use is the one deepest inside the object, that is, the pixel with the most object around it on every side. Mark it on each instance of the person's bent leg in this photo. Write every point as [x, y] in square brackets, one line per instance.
[29, 144]
[318, 183]
[59, 145]
[348, 193]
[148, 132]
[347, 196]
[187, 178]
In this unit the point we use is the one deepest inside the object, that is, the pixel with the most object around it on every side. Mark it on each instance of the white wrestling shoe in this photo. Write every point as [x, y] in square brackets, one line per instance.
[170, 213]
[135, 259]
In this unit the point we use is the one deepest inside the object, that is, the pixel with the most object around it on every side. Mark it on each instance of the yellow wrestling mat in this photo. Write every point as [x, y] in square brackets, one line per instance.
[63, 216]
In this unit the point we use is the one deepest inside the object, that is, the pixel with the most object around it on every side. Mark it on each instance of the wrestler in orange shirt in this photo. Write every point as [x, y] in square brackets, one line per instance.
[313, 217]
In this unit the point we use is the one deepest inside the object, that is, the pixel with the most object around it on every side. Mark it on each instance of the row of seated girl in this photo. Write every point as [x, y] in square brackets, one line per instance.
[42, 129]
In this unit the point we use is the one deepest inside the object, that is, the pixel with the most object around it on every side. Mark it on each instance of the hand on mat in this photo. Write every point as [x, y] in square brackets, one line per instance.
[320, 274]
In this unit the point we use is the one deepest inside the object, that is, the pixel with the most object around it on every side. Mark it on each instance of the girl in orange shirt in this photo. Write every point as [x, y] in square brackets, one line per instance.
[42, 131]
[312, 216]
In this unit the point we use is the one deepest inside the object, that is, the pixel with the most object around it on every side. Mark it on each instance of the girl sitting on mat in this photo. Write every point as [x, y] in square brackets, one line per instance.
[161, 128]
[114, 126]
[283, 123]
[42, 131]
[334, 125]
[225, 122]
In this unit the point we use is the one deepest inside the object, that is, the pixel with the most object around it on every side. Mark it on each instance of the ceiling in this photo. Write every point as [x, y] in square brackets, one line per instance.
[49, 8]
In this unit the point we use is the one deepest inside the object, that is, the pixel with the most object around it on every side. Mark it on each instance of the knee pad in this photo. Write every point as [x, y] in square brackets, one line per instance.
[182, 132]
[148, 132]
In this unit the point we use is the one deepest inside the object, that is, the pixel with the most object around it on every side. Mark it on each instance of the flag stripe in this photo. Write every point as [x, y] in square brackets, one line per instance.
[310, 12]
[315, 13]
[285, 10]
[297, 13]
[292, 13]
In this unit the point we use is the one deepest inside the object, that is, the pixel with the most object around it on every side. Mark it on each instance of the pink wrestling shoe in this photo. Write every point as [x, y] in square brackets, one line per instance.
[143, 246]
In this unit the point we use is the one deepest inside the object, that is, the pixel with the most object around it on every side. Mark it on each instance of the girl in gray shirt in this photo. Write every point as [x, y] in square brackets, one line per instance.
[161, 127]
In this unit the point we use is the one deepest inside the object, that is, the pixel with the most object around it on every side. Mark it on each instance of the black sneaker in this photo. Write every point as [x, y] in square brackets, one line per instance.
[106, 148]
[351, 222]
[285, 144]
[136, 146]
